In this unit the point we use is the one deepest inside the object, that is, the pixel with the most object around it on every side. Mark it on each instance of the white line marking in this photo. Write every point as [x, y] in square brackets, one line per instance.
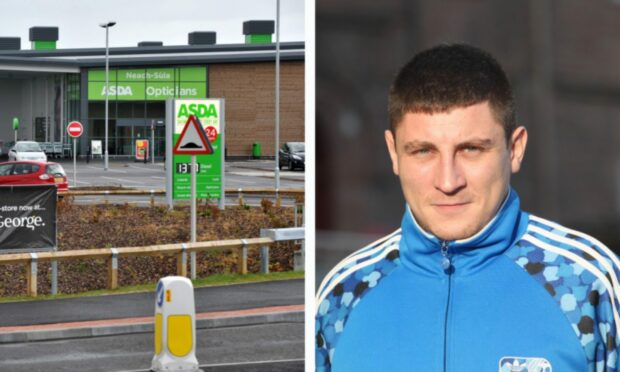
[109, 169]
[246, 182]
[122, 180]
[159, 178]
[146, 169]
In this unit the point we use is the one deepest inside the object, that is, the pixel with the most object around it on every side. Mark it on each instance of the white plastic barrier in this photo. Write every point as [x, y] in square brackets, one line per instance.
[175, 326]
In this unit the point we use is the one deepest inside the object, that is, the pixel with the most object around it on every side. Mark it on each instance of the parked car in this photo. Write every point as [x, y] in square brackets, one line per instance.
[292, 155]
[27, 150]
[33, 173]
[4, 149]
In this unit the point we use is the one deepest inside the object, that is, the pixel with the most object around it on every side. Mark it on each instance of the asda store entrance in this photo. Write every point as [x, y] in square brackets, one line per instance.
[137, 106]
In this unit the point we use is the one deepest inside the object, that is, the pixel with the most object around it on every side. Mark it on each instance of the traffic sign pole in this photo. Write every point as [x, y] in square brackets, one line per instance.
[74, 162]
[75, 129]
[193, 212]
[193, 198]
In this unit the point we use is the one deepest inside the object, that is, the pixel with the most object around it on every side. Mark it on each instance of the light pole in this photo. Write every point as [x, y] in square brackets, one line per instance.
[277, 175]
[107, 26]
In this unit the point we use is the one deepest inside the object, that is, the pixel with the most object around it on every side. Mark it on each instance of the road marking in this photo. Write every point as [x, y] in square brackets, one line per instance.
[109, 169]
[122, 180]
[160, 178]
[146, 169]
[244, 181]
[234, 364]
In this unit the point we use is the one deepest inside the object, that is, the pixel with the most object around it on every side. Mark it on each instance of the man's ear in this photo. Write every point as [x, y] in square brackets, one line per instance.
[391, 145]
[518, 142]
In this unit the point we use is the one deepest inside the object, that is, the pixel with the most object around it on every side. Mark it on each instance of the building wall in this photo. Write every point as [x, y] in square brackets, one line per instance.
[249, 90]
[10, 107]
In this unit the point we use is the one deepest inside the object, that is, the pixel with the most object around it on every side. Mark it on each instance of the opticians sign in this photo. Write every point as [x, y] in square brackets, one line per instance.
[148, 84]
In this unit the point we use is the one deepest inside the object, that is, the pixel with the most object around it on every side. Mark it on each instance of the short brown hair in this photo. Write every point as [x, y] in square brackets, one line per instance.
[451, 76]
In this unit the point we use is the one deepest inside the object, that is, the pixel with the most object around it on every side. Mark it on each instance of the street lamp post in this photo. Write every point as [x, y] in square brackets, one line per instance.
[277, 108]
[107, 26]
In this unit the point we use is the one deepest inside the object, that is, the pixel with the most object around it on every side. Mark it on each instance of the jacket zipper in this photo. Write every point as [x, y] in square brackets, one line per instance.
[446, 264]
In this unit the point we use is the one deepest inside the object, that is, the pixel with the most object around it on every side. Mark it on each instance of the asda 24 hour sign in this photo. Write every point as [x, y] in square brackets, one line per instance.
[206, 112]
[210, 167]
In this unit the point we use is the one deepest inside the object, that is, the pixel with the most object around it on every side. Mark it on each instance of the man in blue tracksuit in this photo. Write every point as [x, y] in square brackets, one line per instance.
[469, 282]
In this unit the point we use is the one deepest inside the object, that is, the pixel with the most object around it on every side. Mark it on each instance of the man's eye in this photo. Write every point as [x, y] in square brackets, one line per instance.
[421, 152]
[472, 149]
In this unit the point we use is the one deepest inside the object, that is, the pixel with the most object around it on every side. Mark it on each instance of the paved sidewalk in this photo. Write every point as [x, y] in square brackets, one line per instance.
[217, 306]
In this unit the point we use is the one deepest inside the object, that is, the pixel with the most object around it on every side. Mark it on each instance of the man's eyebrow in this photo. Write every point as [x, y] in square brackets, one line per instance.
[482, 142]
[414, 145]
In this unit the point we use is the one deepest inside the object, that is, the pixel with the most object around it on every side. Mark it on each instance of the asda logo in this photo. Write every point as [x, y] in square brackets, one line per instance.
[118, 90]
[198, 109]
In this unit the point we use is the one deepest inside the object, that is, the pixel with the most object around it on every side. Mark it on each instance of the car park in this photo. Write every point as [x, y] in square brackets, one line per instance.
[33, 173]
[27, 150]
[292, 155]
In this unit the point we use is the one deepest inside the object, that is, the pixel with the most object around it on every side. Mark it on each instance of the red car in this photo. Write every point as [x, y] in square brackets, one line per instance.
[33, 173]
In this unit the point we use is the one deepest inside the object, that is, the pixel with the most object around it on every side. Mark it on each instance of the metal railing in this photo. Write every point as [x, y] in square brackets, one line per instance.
[111, 255]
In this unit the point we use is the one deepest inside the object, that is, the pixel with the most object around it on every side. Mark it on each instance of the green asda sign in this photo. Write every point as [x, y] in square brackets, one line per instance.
[209, 177]
[148, 84]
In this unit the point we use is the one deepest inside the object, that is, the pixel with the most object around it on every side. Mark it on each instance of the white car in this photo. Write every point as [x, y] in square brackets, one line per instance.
[27, 150]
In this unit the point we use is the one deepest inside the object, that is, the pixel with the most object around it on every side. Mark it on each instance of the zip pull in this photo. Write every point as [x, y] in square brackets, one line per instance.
[446, 263]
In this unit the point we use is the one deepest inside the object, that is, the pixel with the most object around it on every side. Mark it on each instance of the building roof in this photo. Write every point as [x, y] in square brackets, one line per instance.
[71, 60]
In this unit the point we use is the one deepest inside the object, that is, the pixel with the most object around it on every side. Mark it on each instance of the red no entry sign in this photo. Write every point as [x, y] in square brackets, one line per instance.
[75, 129]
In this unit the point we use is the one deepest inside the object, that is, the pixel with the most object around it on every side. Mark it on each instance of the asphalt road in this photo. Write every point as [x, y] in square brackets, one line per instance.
[238, 174]
[276, 347]
[207, 299]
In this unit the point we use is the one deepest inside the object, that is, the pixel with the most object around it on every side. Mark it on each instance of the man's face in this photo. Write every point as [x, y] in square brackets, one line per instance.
[454, 167]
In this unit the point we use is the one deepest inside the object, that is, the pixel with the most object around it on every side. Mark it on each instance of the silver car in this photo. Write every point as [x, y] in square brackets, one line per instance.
[27, 150]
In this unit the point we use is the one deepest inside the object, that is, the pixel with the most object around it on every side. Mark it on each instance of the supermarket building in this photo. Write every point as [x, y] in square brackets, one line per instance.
[46, 88]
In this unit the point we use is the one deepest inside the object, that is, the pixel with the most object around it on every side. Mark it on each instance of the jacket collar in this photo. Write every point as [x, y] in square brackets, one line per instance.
[422, 251]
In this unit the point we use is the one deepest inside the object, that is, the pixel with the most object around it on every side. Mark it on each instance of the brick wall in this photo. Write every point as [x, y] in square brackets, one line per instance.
[249, 90]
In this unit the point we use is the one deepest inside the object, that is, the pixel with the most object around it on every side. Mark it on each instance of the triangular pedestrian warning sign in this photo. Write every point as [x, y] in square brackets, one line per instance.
[193, 139]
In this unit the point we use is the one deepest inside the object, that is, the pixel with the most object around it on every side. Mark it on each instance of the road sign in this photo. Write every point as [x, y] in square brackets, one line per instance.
[193, 139]
[75, 129]
[210, 168]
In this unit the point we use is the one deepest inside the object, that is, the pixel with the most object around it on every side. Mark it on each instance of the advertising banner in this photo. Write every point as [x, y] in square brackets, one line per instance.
[209, 172]
[96, 147]
[27, 218]
[142, 149]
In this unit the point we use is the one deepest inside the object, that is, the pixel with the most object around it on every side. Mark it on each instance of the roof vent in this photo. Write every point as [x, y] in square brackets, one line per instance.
[201, 38]
[10, 43]
[43, 37]
[150, 44]
[258, 32]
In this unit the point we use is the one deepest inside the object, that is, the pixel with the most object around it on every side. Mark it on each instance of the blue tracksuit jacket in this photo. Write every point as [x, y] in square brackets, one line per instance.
[524, 294]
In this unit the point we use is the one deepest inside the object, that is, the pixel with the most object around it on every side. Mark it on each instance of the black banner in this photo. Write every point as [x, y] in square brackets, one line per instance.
[27, 218]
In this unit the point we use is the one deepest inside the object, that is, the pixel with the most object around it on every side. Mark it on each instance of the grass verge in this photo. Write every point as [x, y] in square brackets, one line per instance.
[212, 280]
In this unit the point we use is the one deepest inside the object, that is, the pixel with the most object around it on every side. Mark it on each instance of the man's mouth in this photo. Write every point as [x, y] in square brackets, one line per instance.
[450, 207]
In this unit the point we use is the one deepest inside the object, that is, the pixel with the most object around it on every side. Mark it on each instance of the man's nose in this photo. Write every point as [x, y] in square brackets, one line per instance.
[449, 177]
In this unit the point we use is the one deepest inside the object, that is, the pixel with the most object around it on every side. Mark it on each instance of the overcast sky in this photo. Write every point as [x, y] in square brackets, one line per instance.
[168, 21]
